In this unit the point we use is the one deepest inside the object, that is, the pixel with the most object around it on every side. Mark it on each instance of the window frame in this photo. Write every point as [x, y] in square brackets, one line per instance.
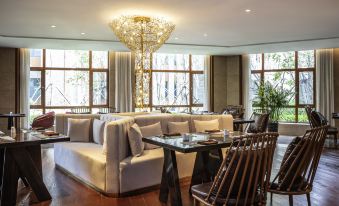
[296, 71]
[189, 71]
[91, 71]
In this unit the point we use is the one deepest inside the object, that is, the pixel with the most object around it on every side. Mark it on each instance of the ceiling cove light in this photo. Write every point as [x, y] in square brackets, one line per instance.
[143, 35]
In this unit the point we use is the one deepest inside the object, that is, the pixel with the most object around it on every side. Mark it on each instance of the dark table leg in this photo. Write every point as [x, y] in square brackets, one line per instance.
[30, 167]
[10, 179]
[206, 166]
[10, 123]
[170, 179]
[2, 161]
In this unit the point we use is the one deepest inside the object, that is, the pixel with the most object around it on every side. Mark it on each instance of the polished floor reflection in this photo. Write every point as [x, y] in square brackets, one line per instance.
[66, 191]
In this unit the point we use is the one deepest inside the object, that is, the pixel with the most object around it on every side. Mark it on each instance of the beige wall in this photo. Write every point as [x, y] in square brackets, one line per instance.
[226, 79]
[7, 83]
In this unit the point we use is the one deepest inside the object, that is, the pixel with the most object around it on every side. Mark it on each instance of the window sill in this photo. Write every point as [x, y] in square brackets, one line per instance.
[294, 123]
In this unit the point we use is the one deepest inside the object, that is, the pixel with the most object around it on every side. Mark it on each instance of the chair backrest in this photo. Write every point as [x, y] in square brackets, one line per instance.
[260, 123]
[318, 119]
[309, 110]
[107, 110]
[243, 177]
[299, 166]
[80, 110]
[237, 111]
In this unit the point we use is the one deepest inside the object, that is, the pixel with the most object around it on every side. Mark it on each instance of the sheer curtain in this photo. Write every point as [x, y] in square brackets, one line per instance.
[246, 72]
[324, 83]
[207, 72]
[24, 86]
[123, 81]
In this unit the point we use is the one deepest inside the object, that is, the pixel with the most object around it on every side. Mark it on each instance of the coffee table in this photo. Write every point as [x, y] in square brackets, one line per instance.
[206, 166]
[21, 158]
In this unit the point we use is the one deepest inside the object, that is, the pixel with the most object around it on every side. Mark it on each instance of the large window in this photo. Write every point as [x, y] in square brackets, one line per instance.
[178, 82]
[64, 79]
[292, 71]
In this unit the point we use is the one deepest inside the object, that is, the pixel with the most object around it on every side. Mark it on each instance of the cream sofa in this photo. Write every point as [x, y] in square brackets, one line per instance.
[110, 168]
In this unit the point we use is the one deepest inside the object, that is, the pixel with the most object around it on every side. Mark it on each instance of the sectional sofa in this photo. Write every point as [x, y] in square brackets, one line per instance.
[110, 168]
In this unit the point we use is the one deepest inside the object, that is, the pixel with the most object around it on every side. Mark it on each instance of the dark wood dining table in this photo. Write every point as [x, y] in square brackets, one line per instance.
[207, 161]
[21, 158]
[10, 118]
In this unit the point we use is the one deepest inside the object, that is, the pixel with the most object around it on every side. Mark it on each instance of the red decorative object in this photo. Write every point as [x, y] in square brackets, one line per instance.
[44, 121]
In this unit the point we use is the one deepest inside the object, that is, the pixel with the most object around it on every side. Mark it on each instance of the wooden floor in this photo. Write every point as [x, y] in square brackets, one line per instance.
[66, 191]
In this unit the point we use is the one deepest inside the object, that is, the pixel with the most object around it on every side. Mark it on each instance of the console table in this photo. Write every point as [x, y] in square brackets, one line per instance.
[21, 158]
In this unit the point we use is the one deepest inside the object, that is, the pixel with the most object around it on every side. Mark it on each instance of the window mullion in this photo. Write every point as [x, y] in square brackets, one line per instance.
[90, 81]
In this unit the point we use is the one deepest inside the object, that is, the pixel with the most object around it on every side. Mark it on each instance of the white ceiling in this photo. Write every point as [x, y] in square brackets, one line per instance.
[272, 25]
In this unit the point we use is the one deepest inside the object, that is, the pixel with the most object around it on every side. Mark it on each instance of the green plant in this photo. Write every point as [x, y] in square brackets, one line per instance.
[271, 98]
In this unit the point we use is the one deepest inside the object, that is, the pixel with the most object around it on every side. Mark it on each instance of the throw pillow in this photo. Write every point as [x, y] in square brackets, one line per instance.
[178, 127]
[151, 130]
[291, 152]
[135, 140]
[260, 123]
[98, 131]
[78, 129]
[202, 126]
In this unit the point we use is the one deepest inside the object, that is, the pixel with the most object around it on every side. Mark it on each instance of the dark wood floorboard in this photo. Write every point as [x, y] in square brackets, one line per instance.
[66, 191]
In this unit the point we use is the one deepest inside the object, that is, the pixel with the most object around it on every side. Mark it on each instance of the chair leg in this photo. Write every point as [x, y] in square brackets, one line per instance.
[271, 197]
[290, 198]
[335, 141]
[195, 202]
[308, 199]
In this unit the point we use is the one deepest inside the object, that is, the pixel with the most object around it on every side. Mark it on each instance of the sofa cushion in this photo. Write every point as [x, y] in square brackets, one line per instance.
[135, 140]
[290, 156]
[83, 160]
[178, 127]
[98, 131]
[133, 169]
[79, 129]
[201, 126]
[151, 130]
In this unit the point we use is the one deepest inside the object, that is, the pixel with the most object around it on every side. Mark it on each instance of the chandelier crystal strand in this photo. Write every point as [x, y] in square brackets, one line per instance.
[143, 36]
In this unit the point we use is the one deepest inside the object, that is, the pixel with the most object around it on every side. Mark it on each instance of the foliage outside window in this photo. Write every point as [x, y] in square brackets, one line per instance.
[64, 79]
[292, 71]
[178, 82]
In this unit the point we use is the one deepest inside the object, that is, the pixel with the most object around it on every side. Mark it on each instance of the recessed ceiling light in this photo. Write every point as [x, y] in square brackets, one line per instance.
[176, 38]
[83, 33]
[248, 10]
[205, 35]
[53, 26]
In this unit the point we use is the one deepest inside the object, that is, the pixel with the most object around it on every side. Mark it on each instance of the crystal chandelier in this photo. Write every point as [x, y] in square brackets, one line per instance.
[143, 36]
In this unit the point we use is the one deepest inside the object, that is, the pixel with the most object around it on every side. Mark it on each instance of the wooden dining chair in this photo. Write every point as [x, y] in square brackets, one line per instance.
[80, 110]
[316, 119]
[243, 177]
[107, 110]
[299, 165]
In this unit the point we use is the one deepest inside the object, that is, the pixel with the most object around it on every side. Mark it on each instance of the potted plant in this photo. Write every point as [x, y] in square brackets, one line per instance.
[271, 99]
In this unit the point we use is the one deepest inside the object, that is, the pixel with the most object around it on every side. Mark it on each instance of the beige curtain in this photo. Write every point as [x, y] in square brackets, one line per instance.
[123, 81]
[24, 86]
[207, 72]
[247, 96]
[324, 83]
